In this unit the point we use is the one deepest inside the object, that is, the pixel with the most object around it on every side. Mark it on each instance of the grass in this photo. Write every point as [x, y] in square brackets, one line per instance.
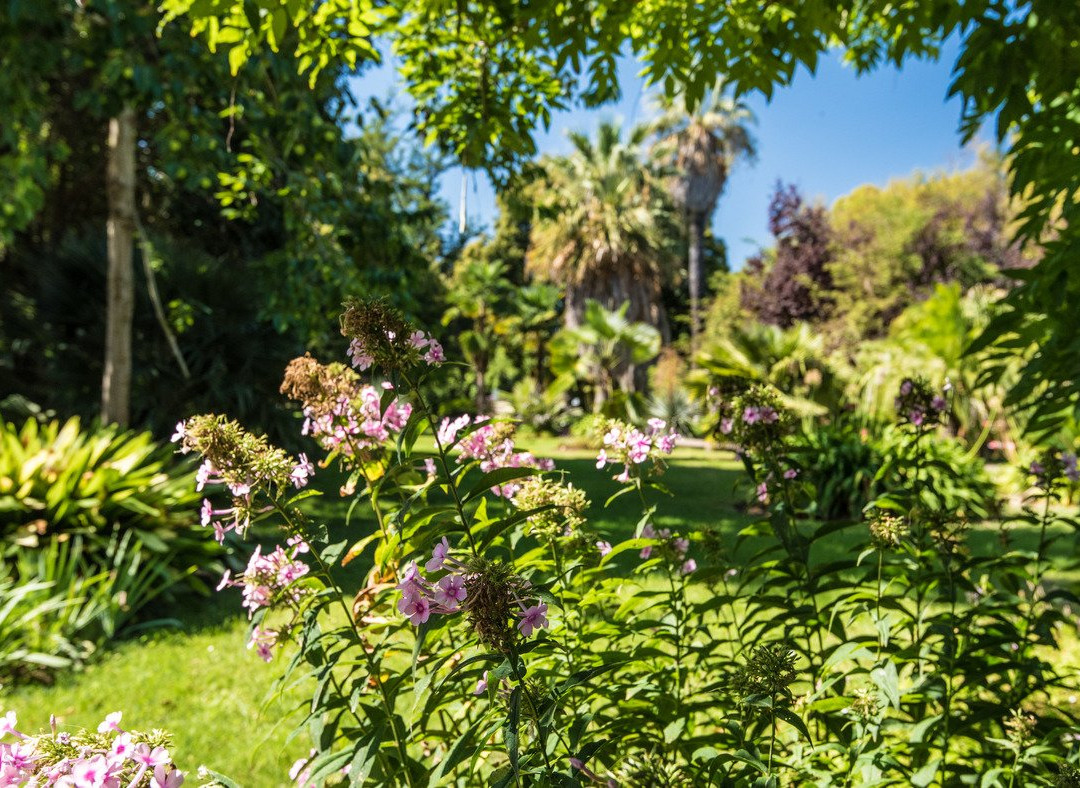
[213, 694]
[199, 683]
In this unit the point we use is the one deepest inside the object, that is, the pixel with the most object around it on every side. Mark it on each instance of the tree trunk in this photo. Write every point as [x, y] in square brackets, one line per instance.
[693, 272]
[120, 296]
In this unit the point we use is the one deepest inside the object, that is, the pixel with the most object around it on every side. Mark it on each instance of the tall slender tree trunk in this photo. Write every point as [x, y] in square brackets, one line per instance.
[697, 243]
[120, 296]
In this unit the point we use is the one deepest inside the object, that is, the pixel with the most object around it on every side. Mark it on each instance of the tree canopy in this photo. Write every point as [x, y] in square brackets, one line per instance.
[483, 74]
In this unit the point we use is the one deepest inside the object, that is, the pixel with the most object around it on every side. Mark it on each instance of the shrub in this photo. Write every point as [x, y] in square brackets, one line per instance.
[59, 481]
[56, 609]
[843, 459]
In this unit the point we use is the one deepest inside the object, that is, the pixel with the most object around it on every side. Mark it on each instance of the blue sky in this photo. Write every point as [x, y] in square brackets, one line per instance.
[827, 133]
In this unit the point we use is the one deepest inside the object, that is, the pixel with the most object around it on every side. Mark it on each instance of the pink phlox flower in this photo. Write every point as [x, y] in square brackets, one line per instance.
[666, 443]
[95, 772]
[16, 759]
[303, 471]
[434, 353]
[179, 435]
[266, 575]
[623, 477]
[726, 425]
[361, 359]
[240, 489]
[481, 684]
[450, 591]
[180, 432]
[938, 403]
[751, 415]
[681, 545]
[299, 773]
[688, 566]
[166, 778]
[639, 448]
[111, 723]
[220, 530]
[905, 388]
[418, 340]
[206, 513]
[917, 417]
[533, 618]
[7, 725]
[411, 580]
[763, 492]
[656, 425]
[158, 756]
[263, 641]
[790, 474]
[601, 459]
[603, 548]
[226, 580]
[768, 414]
[417, 608]
[206, 474]
[438, 556]
[429, 466]
[298, 545]
[448, 430]
[123, 746]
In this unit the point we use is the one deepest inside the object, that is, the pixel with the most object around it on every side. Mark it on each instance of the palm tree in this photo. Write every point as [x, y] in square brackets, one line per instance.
[603, 352]
[703, 145]
[604, 227]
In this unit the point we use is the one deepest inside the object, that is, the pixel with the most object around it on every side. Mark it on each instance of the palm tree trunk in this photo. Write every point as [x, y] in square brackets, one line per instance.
[697, 244]
[120, 295]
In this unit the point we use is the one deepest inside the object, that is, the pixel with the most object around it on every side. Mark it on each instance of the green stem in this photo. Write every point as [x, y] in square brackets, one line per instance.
[373, 671]
[541, 733]
[443, 460]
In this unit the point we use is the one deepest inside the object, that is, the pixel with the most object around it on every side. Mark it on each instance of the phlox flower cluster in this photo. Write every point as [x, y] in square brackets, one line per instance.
[380, 337]
[431, 352]
[672, 547]
[351, 425]
[422, 596]
[756, 419]
[562, 505]
[269, 580]
[111, 758]
[917, 404]
[1053, 467]
[763, 489]
[492, 446]
[631, 447]
[240, 461]
[341, 413]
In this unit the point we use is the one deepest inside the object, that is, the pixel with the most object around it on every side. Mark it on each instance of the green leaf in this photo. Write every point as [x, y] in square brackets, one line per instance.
[510, 729]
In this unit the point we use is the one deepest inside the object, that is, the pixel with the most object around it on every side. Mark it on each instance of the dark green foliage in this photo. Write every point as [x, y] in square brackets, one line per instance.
[850, 462]
[60, 481]
[96, 524]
